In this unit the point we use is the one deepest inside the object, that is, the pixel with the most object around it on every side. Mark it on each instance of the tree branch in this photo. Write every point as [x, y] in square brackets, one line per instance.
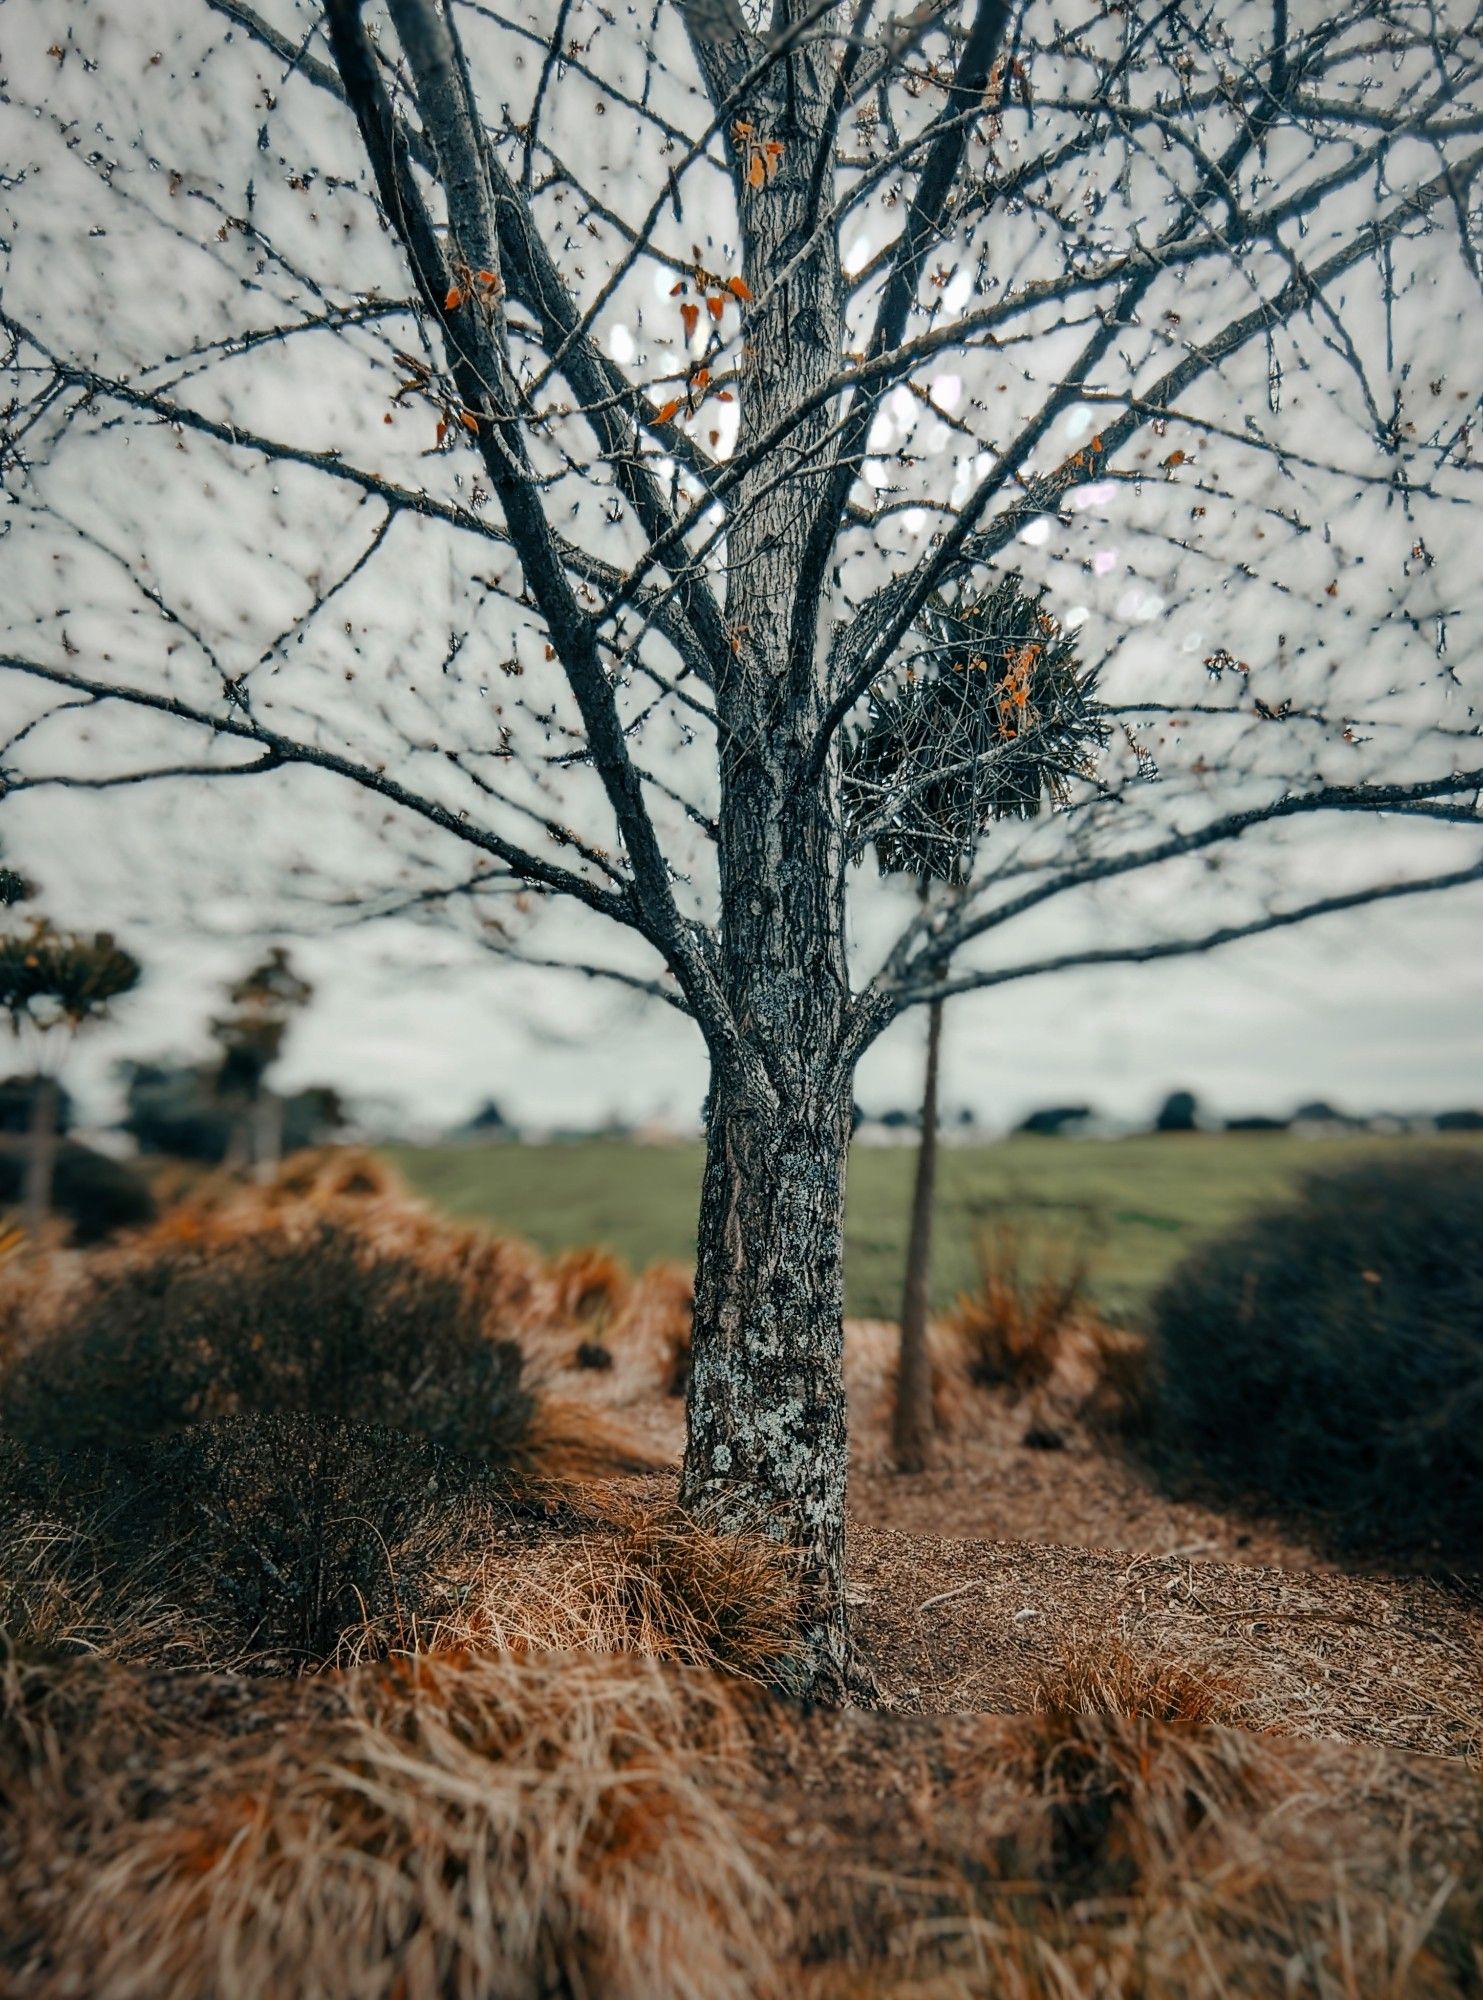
[282, 750]
[1322, 906]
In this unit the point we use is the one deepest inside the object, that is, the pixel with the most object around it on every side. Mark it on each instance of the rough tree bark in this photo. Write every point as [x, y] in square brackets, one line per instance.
[766, 1418]
[912, 1420]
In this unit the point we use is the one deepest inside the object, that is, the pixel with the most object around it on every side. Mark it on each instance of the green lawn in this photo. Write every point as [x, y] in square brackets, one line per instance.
[1137, 1203]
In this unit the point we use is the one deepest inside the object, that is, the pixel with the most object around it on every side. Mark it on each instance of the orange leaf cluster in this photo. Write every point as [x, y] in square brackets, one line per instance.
[761, 157]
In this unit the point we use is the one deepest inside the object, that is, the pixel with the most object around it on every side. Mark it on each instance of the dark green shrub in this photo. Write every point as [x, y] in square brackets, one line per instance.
[317, 1321]
[271, 1543]
[1327, 1357]
[96, 1195]
[282, 1537]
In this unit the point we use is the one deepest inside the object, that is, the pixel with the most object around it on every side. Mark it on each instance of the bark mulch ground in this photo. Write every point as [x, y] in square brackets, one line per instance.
[965, 1626]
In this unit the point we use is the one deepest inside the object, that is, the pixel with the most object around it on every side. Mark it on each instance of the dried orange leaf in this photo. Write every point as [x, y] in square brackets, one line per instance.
[691, 316]
[739, 289]
[756, 172]
[666, 410]
[716, 304]
[442, 430]
[454, 298]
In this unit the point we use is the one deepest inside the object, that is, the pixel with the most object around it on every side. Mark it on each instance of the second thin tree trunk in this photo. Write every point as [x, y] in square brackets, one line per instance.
[41, 1155]
[913, 1426]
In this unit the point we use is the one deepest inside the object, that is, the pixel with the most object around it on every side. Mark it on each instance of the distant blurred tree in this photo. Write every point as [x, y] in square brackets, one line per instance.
[251, 1038]
[996, 721]
[176, 1109]
[1053, 1120]
[18, 1095]
[1179, 1112]
[51, 982]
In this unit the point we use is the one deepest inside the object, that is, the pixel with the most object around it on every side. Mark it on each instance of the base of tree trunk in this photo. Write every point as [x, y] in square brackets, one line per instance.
[766, 1449]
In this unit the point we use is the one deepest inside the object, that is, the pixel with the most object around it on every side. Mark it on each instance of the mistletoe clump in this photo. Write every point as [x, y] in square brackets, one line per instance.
[996, 716]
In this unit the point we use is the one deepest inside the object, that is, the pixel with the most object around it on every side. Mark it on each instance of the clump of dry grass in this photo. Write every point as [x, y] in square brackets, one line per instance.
[1099, 1674]
[636, 1577]
[424, 1829]
[652, 1332]
[576, 1443]
[1126, 1750]
[588, 1285]
[253, 1543]
[1120, 1402]
[1013, 1327]
[1125, 1842]
[273, 1319]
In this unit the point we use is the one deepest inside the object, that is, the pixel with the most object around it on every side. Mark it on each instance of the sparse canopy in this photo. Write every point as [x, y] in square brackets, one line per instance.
[560, 433]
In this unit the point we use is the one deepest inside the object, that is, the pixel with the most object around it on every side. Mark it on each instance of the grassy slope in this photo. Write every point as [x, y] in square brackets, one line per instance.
[1138, 1202]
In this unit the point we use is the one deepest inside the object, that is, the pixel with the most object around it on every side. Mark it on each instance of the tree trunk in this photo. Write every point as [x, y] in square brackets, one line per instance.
[766, 1429]
[766, 1441]
[912, 1423]
[41, 1158]
[267, 1135]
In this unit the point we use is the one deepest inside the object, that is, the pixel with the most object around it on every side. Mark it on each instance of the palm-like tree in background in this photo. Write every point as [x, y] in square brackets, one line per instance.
[993, 718]
[52, 983]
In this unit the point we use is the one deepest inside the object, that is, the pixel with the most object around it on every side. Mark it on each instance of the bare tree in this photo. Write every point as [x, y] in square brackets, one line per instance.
[263, 1003]
[51, 982]
[552, 433]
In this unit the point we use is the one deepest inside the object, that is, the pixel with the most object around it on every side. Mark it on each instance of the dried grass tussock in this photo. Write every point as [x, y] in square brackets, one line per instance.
[427, 1830]
[1115, 1846]
[351, 1646]
[641, 1578]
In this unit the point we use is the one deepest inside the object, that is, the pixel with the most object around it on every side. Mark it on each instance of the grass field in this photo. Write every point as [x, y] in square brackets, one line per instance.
[1137, 1204]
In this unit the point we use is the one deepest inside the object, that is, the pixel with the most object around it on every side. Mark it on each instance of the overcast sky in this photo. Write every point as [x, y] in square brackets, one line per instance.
[176, 561]
[1375, 1009]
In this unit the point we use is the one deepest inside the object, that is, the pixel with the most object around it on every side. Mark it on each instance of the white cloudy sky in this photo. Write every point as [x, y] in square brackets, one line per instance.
[1379, 1008]
[1372, 1009]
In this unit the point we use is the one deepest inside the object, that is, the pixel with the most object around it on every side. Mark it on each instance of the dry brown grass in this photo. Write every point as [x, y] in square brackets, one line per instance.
[1120, 1401]
[1124, 1842]
[330, 1290]
[1014, 1326]
[588, 1285]
[649, 1338]
[1099, 1674]
[639, 1577]
[428, 1830]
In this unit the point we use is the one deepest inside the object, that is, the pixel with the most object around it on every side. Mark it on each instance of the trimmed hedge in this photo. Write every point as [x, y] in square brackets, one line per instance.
[1326, 1358]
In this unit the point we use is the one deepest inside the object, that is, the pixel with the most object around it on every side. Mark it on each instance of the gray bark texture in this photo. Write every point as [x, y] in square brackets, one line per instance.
[766, 1434]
